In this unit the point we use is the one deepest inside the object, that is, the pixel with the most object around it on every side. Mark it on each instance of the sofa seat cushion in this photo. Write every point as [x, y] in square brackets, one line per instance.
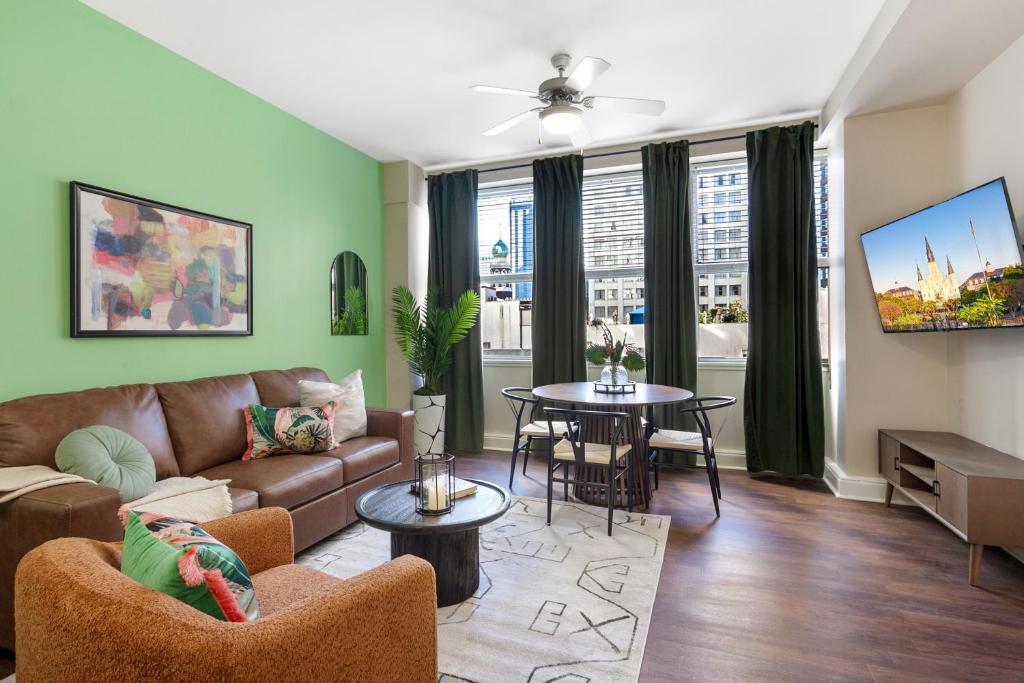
[285, 481]
[365, 455]
[243, 499]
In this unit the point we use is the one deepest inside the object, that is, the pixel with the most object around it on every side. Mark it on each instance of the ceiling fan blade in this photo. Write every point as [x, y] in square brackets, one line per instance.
[586, 72]
[627, 105]
[505, 125]
[497, 90]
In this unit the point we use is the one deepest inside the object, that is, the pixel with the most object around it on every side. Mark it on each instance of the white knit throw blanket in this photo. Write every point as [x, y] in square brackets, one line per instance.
[192, 499]
[17, 481]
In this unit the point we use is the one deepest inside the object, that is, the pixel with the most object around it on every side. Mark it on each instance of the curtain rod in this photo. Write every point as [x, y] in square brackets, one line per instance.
[600, 155]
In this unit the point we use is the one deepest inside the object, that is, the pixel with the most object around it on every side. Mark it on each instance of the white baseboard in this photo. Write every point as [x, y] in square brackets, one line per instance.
[727, 460]
[871, 489]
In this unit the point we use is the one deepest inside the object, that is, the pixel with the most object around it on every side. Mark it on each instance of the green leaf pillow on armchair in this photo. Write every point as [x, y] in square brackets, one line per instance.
[182, 560]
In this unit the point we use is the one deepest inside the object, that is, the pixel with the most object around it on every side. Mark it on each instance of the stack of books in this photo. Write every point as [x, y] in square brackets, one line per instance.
[462, 487]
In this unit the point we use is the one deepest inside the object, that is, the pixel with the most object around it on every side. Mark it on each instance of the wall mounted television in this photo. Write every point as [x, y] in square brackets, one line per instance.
[953, 266]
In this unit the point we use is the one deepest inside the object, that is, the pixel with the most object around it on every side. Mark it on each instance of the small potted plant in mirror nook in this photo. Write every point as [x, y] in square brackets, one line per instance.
[618, 358]
[426, 335]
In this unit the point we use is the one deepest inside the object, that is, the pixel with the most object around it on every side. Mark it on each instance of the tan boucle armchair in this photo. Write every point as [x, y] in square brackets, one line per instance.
[79, 619]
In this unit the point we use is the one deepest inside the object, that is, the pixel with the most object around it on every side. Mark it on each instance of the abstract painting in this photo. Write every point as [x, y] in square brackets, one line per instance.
[143, 268]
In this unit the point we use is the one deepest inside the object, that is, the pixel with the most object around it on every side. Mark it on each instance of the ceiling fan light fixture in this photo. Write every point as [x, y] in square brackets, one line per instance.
[561, 119]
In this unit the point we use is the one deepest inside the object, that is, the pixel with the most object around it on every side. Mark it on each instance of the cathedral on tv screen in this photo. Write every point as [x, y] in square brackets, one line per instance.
[937, 286]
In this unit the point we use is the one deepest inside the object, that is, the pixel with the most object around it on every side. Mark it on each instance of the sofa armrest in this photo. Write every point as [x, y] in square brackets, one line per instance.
[84, 510]
[397, 424]
[262, 538]
[378, 626]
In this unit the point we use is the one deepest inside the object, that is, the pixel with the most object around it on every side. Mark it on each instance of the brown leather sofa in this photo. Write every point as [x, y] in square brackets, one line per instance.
[192, 428]
[81, 621]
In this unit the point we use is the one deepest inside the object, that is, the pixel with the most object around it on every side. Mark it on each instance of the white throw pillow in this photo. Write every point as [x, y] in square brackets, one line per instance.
[350, 417]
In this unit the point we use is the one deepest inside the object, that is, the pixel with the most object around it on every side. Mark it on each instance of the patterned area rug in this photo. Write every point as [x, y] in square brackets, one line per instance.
[561, 603]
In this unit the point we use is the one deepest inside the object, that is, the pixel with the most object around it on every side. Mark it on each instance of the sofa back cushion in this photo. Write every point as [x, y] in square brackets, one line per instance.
[31, 427]
[280, 388]
[205, 419]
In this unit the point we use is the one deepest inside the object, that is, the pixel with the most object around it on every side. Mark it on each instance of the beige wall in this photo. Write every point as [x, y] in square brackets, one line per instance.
[406, 232]
[893, 163]
[986, 367]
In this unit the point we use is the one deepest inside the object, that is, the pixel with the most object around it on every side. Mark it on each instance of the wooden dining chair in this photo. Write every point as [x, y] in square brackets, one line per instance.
[526, 429]
[573, 451]
[702, 441]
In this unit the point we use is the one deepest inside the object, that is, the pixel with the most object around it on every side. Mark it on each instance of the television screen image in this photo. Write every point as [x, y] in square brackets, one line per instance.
[953, 266]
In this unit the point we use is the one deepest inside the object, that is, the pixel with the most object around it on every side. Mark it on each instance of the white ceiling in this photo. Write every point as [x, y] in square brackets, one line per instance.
[391, 77]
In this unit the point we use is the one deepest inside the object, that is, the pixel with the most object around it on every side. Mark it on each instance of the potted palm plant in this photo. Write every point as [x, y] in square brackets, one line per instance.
[426, 336]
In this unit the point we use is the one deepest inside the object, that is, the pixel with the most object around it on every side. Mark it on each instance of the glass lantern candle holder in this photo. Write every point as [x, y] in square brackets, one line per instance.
[435, 482]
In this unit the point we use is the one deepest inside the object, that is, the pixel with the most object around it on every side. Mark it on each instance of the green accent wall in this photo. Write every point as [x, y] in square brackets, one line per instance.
[84, 98]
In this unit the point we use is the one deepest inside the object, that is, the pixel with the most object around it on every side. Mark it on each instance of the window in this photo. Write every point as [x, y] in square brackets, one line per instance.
[613, 251]
[505, 231]
[613, 255]
[722, 332]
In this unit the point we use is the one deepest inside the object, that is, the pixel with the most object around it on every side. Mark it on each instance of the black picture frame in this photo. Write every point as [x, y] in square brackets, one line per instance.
[77, 189]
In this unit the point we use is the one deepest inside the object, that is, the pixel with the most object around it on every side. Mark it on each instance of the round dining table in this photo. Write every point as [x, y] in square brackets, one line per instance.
[634, 404]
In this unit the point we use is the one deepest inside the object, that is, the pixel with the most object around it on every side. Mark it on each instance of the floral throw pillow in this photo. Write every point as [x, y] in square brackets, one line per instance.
[182, 560]
[276, 431]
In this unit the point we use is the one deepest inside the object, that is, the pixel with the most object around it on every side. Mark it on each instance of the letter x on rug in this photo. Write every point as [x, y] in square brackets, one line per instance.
[563, 603]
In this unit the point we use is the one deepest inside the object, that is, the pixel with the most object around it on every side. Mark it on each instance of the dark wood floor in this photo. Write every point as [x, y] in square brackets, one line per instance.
[792, 584]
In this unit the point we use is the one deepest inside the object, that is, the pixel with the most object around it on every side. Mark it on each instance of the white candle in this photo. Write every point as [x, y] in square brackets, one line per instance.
[437, 494]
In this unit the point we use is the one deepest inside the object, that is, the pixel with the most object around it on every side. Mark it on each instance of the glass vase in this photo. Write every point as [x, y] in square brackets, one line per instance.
[613, 373]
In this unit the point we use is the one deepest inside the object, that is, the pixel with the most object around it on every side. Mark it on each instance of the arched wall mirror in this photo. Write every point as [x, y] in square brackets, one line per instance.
[348, 294]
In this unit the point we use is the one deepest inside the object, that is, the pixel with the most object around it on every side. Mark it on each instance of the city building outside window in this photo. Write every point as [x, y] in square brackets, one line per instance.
[721, 263]
[613, 252]
[505, 231]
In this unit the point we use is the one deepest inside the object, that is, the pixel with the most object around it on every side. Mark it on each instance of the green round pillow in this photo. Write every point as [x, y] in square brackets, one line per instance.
[108, 457]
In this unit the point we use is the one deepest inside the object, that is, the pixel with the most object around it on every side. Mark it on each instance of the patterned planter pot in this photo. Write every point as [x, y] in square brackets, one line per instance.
[429, 423]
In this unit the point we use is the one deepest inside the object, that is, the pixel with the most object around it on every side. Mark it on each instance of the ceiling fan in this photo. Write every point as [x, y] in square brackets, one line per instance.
[564, 101]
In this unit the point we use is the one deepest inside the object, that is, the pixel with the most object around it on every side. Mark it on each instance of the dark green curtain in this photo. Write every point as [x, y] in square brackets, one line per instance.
[453, 268]
[670, 309]
[559, 301]
[783, 411]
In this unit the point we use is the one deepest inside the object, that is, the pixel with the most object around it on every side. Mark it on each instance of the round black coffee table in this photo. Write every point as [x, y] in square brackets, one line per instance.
[449, 542]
